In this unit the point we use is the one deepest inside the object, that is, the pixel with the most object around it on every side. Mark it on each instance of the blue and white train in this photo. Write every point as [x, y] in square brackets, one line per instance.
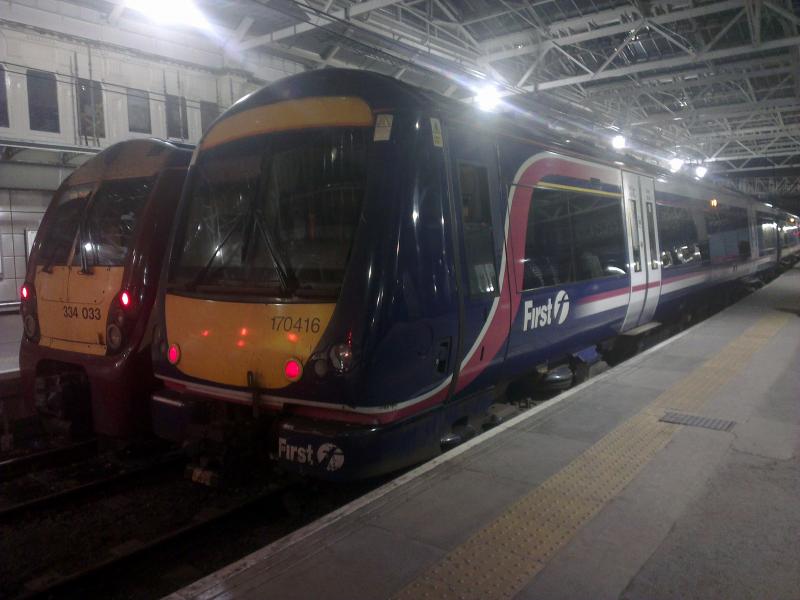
[360, 268]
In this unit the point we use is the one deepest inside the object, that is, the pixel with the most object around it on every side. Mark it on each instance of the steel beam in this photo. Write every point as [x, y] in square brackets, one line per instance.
[666, 63]
[601, 32]
[346, 14]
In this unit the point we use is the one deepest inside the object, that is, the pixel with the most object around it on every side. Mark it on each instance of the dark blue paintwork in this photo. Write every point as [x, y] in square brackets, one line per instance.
[404, 303]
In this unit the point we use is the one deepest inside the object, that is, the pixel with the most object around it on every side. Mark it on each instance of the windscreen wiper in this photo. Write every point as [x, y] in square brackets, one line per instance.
[280, 267]
[204, 271]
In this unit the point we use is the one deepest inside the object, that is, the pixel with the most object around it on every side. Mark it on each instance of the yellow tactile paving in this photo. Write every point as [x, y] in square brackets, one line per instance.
[501, 558]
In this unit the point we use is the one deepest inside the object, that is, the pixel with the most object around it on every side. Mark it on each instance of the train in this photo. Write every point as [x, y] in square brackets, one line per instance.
[360, 269]
[90, 287]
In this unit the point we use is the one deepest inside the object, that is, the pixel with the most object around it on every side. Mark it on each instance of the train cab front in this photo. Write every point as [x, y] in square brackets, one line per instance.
[276, 275]
[89, 289]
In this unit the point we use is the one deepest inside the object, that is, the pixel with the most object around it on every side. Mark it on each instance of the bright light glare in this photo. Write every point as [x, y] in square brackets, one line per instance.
[701, 171]
[618, 141]
[487, 98]
[170, 12]
[675, 164]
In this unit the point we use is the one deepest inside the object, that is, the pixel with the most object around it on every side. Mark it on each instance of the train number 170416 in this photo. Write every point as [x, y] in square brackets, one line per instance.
[301, 324]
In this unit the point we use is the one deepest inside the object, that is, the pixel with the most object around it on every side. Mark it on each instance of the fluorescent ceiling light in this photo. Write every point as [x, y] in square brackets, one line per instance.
[675, 164]
[701, 171]
[487, 98]
[170, 12]
[618, 141]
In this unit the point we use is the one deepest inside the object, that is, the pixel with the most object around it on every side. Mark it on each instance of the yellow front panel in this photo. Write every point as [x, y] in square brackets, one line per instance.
[73, 308]
[290, 114]
[222, 341]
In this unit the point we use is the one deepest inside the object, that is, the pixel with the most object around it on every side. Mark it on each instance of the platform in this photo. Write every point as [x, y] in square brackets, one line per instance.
[593, 495]
[10, 335]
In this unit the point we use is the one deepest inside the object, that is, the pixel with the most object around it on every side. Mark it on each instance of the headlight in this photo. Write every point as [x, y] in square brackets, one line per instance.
[341, 356]
[113, 337]
[30, 325]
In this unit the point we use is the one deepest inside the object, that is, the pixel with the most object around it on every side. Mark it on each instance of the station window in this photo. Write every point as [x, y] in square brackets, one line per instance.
[91, 118]
[573, 235]
[476, 217]
[3, 98]
[177, 119]
[677, 233]
[42, 101]
[209, 111]
[139, 111]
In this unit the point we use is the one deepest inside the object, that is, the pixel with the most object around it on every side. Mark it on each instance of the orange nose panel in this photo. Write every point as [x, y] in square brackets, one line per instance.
[221, 341]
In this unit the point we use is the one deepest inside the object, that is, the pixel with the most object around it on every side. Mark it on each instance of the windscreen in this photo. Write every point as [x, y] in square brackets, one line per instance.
[112, 218]
[273, 214]
[64, 222]
[95, 227]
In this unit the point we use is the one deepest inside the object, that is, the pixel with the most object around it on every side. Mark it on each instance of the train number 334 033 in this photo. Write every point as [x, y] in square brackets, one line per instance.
[87, 312]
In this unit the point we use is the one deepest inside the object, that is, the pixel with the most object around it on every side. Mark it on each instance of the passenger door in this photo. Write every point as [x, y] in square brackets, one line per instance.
[480, 220]
[643, 249]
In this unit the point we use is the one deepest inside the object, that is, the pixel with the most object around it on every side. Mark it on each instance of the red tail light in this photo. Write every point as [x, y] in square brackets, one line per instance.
[23, 292]
[125, 299]
[293, 369]
[174, 354]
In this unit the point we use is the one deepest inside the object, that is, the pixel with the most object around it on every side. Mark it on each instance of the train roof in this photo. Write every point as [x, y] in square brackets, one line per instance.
[144, 157]
[382, 92]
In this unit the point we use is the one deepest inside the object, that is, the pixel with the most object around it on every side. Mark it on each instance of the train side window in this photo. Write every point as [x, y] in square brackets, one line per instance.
[91, 119]
[476, 217]
[209, 111]
[767, 233]
[139, 111]
[677, 233]
[3, 98]
[573, 235]
[177, 119]
[42, 101]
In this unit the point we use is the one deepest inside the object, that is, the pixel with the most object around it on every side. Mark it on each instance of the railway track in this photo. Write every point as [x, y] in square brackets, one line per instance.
[24, 464]
[74, 584]
[110, 483]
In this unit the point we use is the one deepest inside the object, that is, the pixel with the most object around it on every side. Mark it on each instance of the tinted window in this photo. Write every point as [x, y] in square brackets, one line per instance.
[91, 121]
[728, 233]
[112, 218]
[63, 221]
[177, 119]
[138, 111]
[651, 234]
[275, 212]
[573, 236]
[767, 233]
[3, 98]
[476, 217]
[209, 111]
[42, 101]
[677, 233]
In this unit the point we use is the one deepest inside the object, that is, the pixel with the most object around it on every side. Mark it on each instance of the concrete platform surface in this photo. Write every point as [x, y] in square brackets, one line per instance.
[10, 336]
[591, 496]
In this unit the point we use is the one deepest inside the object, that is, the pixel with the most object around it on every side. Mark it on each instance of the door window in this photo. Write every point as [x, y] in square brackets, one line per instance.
[476, 217]
[636, 242]
[651, 232]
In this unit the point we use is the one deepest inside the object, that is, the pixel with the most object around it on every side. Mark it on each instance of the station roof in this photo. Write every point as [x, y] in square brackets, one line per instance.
[710, 82]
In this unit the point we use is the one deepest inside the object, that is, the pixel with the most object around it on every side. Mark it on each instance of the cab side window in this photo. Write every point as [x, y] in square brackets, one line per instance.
[476, 217]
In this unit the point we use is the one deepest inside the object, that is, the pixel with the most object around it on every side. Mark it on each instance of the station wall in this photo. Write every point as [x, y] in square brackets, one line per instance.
[64, 97]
